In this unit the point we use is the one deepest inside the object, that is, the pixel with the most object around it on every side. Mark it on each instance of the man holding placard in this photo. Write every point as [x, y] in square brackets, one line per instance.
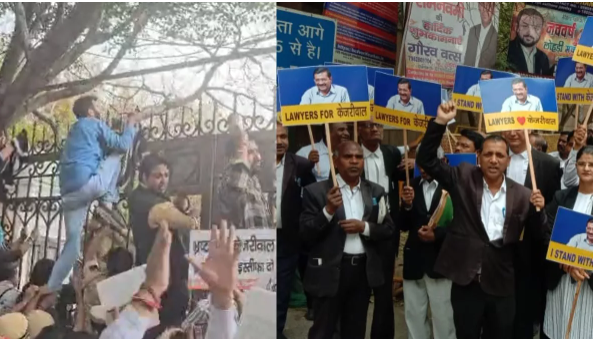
[343, 224]
[491, 211]
[319, 153]
[404, 100]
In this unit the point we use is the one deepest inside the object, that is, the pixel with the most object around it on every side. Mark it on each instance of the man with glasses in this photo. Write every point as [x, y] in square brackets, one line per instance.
[381, 167]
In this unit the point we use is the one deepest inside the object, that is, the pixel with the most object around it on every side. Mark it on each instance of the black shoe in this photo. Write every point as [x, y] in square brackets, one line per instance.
[309, 316]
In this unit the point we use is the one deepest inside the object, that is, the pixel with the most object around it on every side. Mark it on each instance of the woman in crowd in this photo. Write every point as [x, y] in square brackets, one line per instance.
[561, 279]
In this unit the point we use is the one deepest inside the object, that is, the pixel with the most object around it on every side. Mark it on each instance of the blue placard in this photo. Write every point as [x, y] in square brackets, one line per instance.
[454, 160]
[467, 76]
[572, 239]
[371, 70]
[566, 75]
[304, 39]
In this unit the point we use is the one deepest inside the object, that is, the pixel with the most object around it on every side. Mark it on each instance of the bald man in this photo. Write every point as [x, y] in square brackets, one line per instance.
[343, 225]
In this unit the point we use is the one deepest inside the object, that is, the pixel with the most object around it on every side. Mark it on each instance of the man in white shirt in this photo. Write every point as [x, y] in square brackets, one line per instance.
[344, 225]
[478, 253]
[583, 241]
[319, 153]
[580, 78]
[474, 90]
[482, 38]
[404, 101]
[521, 100]
[324, 91]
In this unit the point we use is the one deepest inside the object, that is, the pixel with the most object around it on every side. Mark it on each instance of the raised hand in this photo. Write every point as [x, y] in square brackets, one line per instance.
[157, 264]
[445, 113]
[334, 200]
[580, 137]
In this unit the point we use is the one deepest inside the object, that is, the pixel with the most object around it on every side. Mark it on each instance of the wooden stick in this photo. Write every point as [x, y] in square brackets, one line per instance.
[406, 157]
[313, 146]
[449, 139]
[356, 132]
[574, 306]
[331, 155]
[531, 170]
[480, 118]
[576, 117]
[586, 121]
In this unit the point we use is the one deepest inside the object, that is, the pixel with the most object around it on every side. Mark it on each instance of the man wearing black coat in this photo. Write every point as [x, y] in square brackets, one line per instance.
[343, 225]
[293, 173]
[524, 56]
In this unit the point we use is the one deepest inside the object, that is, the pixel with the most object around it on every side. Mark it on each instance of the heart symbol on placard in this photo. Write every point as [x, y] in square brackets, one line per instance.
[521, 120]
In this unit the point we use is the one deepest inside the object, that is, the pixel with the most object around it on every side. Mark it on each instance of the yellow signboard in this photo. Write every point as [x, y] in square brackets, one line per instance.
[515, 120]
[469, 103]
[583, 54]
[400, 119]
[574, 95]
[294, 115]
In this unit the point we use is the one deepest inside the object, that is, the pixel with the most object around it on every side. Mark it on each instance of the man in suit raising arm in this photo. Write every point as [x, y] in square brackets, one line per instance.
[343, 225]
[490, 213]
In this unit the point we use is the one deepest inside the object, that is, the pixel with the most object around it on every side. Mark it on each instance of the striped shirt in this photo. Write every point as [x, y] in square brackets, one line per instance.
[336, 94]
[414, 106]
[531, 104]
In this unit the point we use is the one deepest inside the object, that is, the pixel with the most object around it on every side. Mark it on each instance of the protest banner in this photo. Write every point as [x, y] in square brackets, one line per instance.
[519, 103]
[556, 30]
[454, 160]
[574, 82]
[442, 35]
[405, 103]
[584, 50]
[303, 39]
[257, 265]
[367, 32]
[466, 91]
[303, 101]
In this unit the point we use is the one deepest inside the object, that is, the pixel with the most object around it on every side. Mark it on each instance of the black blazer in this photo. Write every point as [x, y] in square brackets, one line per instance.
[517, 62]
[467, 247]
[420, 256]
[564, 198]
[327, 239]
[297, 175]
[392, 157]
[488, 53]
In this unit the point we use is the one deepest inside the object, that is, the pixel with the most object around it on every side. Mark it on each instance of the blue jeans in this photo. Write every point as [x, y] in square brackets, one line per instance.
[102, 186]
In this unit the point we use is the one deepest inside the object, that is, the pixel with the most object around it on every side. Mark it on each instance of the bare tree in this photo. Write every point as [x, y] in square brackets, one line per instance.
[45, 55]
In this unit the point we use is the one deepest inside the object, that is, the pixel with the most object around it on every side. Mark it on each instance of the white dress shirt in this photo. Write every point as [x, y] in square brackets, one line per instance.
[324, 168]
[414, 106]
[584, 203]
[518, 168]
[279, 179]
[562, 166]
[493, 210]
[354, 209]
[573, 82]
[428, 189]
[532, 103]
[474, 90]
[529, 58]
[336, 94]
[374, 167]
[482, 40]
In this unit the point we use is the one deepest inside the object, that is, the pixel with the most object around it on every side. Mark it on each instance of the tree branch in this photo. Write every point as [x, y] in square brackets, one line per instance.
[47, 120]
[165, 68]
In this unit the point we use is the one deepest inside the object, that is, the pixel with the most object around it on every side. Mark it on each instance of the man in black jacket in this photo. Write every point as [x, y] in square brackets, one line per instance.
[381, 167]
[490, 213]
[421, 283]
[524, 56]
[531, 296]
[293, 173]
[343, 224]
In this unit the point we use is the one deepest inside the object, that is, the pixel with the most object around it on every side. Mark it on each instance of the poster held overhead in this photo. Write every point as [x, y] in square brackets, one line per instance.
[574, 82]
[466, 91]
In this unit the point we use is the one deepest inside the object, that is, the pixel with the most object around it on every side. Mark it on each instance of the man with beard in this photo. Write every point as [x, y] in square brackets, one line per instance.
[482, 38]
[324, 91]
[293, 173]
[381, 167]
[338, 133]
[150, 205]
[404, 101]
[580, 78]
[343, 225]
[530, 280]
[524, 56]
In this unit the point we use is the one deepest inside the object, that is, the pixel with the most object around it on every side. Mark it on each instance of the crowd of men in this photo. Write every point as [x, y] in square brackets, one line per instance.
[479, 265]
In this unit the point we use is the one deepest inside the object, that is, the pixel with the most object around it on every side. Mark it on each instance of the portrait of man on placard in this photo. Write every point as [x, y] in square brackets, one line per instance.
[482, 39]
[524, 56]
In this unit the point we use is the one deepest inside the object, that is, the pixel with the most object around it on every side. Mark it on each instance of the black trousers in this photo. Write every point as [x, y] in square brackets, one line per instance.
[286, 267]
[480, 315]
[383, 326]
[303, 260]
[349, 306]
